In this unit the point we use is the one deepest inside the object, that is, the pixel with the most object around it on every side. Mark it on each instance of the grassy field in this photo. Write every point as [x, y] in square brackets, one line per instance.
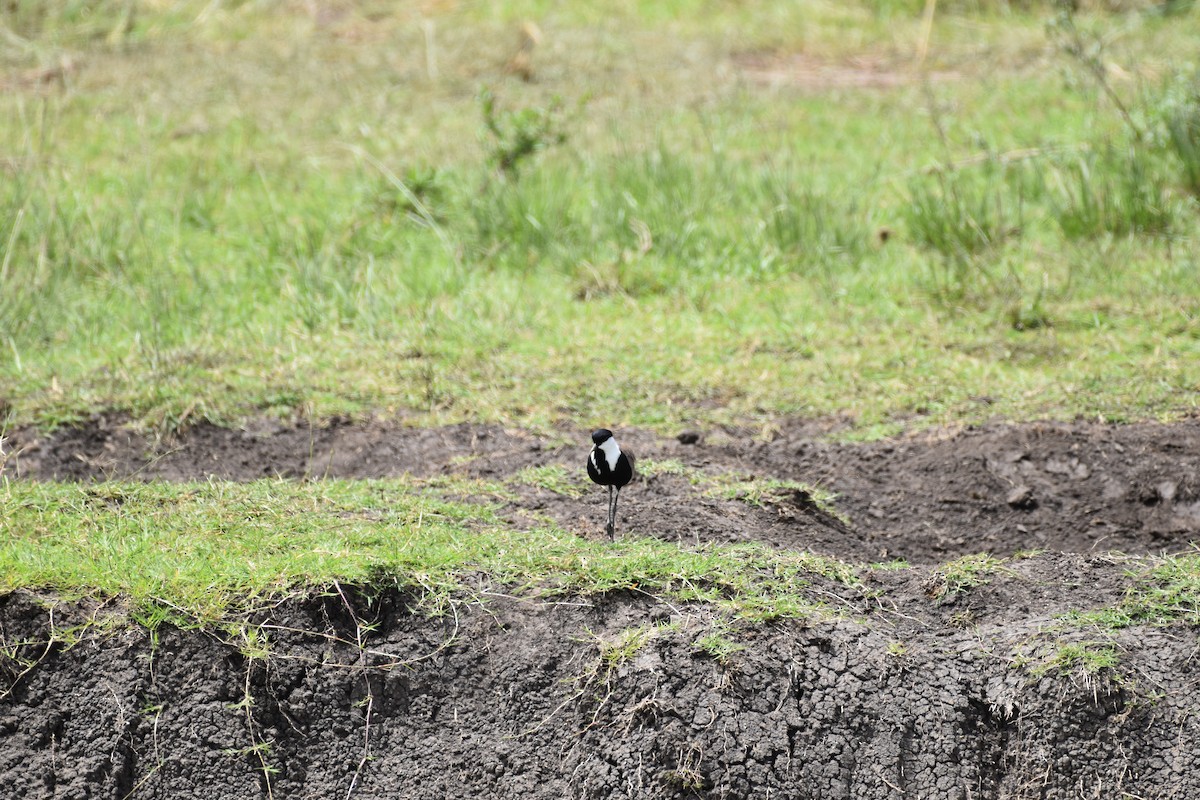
[693, 212]
[211, 212]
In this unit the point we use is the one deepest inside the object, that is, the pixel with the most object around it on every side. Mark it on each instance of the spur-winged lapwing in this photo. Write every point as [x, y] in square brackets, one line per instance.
[609, 466]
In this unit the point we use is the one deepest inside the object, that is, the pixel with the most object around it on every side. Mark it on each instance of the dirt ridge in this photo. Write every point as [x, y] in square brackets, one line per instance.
[517, 699]
[926, 498]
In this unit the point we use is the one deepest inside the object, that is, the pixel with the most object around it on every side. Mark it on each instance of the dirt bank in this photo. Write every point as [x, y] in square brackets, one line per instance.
[899, 690]
[520, 699]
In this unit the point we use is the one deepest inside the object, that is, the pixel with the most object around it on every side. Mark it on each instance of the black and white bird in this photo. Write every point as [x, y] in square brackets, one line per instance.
[609, 466]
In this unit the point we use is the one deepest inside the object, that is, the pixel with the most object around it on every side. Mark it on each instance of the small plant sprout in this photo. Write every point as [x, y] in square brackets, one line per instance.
[718, 645]
[515, 137]
[954, 578]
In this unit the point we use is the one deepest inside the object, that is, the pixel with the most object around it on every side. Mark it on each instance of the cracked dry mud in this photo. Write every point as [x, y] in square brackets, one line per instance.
[900, 693]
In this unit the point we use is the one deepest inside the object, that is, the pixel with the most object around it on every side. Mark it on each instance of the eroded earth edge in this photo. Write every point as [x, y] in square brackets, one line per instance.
[897, 691]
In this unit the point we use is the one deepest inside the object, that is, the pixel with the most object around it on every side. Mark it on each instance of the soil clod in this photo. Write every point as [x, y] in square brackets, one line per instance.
[1022, 497]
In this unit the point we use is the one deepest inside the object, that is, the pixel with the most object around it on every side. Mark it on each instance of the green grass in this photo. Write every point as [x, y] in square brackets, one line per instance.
[554, 478]
[623, 647]
[1179, 111]
[209, 553]
[209, 550]
[759, 491]
[653, 467]
[1087, 659]
[965, 213]
[349, 247]
[1160, 593]
[1093, 665]
[718, 645]
[1115, 192]
[959, 576]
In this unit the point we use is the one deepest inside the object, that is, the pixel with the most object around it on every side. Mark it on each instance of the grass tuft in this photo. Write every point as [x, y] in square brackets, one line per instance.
[759, 492]
[956, 577]
[718, 645]
[1086, 659]
[1117, 191]
[1180, 111]
[961, 213]
[652, 468]
[619, 650]
[1166, 593]
[1092, 665]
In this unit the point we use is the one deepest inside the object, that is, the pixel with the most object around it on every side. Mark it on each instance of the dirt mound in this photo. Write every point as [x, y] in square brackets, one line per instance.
[612, 697]
[910, 685]
[925, 498]
[1006, 488]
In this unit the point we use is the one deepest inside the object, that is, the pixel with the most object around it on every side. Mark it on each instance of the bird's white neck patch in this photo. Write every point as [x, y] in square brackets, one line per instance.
[611, 452]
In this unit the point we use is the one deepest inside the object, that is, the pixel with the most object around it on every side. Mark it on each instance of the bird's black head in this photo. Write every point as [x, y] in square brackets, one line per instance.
[601, 436]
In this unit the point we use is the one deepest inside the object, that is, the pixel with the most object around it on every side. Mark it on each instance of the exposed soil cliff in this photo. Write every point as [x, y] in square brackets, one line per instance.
[899, 691]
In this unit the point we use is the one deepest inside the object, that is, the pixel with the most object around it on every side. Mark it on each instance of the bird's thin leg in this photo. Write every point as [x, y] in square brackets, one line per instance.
[612, 525]
[611, 513]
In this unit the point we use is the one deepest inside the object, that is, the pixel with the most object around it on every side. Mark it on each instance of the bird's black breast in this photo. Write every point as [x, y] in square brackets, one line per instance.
[623, 474]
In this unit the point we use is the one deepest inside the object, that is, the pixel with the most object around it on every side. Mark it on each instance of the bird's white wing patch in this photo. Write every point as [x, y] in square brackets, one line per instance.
[592, 458]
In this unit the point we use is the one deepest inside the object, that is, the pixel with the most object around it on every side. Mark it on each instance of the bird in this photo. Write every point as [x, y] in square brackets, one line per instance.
[610, 466]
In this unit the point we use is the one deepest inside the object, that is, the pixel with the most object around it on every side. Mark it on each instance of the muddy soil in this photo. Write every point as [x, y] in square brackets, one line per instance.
[898, 692]
[926, 498]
